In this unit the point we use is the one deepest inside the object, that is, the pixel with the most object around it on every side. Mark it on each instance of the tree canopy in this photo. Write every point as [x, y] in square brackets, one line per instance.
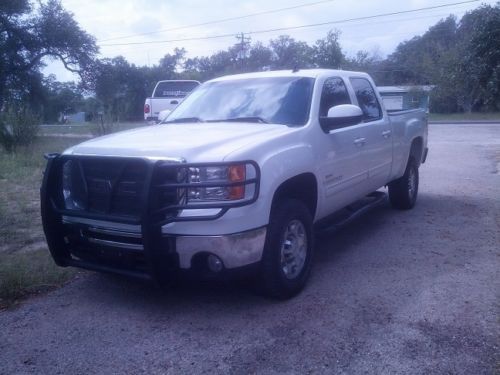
[31, 31]
[461, 58]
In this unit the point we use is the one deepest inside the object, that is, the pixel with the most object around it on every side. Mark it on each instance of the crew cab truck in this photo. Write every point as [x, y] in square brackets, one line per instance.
[234, 180]
[166, 96]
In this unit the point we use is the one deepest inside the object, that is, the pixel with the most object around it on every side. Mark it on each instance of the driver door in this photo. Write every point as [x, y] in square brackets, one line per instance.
[342, 174]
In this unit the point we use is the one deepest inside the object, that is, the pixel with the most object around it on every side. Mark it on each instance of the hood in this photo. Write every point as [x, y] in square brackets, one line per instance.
[200, 142]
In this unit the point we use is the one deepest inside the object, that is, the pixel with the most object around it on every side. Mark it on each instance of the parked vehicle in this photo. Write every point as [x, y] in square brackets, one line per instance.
[234, 180]
[167, 95]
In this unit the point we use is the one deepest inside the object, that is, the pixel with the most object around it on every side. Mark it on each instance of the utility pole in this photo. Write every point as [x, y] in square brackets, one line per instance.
[244, 43]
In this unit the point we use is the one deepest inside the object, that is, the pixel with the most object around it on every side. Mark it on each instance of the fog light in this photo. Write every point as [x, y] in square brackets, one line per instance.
[214, 263]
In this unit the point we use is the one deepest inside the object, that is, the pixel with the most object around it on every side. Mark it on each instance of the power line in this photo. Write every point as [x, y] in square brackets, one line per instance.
[221, 20]
[293, 27]
[461, 13]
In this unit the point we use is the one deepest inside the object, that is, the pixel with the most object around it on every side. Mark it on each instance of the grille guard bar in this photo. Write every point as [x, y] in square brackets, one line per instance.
[151, 218]
[55, 161]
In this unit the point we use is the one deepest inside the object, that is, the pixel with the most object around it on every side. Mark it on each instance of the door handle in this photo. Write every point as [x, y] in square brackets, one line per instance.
[174, 102]
[386, 134]
[360, 141]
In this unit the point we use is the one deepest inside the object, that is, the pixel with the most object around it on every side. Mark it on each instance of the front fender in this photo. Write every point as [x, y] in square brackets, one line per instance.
[280, 166]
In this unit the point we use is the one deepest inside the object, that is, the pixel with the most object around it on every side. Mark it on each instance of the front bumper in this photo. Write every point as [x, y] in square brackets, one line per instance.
[139, 247]
[235, 250]
[119, 248]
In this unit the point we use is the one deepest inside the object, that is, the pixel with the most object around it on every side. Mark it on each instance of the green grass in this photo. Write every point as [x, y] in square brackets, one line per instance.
[24, 262]
[65, 129]
[475, 116]
[26, 273]
[87, 129]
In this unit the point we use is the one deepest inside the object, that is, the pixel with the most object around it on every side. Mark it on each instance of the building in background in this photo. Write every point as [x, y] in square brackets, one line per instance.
[401, 98]
[75, 118]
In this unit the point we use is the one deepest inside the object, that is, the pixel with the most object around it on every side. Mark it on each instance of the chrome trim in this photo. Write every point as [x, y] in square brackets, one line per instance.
[153, 158]
[235, 250]
[114, 232]
[122, 245]
[129, 228]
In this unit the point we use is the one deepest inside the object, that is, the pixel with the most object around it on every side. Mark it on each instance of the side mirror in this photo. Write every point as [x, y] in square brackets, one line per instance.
[341, 116]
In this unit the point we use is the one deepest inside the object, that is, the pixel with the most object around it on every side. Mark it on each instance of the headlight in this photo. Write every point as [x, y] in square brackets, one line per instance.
[211, 175]
[72, 186]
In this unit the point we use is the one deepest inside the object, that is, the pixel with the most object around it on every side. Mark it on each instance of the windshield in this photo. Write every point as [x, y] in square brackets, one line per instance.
[277, 100]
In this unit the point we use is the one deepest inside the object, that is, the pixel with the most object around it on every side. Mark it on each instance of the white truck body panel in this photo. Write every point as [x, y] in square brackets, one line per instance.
[347, 163]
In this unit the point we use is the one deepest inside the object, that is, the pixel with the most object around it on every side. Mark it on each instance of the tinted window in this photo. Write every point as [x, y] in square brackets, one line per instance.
[334, 93]
[277, 100]
[367, 99]
[174, 89]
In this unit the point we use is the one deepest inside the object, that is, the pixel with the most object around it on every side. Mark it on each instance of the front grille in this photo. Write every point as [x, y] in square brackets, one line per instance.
[113, 186]
[123, 250]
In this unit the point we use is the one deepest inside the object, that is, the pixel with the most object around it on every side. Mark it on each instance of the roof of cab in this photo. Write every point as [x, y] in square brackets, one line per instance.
[312, 73]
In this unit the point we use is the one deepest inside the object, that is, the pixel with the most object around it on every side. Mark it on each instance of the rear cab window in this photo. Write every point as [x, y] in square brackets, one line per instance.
[367, 99]
[174, 89]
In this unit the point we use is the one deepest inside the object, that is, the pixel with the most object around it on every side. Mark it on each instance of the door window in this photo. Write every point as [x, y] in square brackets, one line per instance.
[334, 93]
[367, 99]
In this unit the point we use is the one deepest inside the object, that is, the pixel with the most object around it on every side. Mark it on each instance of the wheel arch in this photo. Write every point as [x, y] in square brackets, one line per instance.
[417, 149]
[303, 187]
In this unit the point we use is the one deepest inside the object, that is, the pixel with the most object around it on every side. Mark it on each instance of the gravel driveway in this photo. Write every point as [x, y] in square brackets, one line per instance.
[410, 292]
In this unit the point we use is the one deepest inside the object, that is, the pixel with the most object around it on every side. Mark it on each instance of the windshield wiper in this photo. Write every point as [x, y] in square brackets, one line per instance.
[242, 119]
[184, 119]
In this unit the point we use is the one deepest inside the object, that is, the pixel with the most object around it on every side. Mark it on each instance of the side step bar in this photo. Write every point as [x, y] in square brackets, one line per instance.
[351, 212]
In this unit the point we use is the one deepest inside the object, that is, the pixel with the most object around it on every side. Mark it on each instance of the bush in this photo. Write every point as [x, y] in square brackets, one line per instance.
[105, 124]
[18, 128]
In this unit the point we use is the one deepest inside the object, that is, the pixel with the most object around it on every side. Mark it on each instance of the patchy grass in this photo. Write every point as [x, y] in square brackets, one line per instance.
[20, 178]
[86, 129]
[51, 130]
[475, 116]
[25, 265]
[27, 273]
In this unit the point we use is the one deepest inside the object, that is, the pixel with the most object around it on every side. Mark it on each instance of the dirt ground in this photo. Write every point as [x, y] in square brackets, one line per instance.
[414, 292]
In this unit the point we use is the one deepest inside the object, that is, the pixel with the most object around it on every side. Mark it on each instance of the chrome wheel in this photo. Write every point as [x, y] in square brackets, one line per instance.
[293, 249]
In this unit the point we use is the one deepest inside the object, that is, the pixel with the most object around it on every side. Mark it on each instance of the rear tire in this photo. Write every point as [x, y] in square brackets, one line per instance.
[403, 191]
[288, 251]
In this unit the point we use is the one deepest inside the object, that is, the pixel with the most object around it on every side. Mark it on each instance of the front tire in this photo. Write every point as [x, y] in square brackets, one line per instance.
[403, 191]
[288, 251]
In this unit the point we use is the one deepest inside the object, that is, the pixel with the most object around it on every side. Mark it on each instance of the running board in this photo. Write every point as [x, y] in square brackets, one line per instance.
[351, 212]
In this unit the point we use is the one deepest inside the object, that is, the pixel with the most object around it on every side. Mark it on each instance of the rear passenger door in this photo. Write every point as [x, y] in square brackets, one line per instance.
[376, 148]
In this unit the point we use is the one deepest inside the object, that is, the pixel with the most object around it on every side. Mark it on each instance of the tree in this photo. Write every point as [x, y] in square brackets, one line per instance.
[289, 53]
[120, 87]
[462, 59]
[430, 59]
[170, 63]
[260, 57]
[30, 32]
[479, 51]
[60, 98]
[327, 51]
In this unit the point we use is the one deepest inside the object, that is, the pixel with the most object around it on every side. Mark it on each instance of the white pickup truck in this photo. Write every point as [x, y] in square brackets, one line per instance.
[166, 96]
[234, 181]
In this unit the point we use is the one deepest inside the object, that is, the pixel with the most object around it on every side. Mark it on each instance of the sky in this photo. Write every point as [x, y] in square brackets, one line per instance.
[157, 23]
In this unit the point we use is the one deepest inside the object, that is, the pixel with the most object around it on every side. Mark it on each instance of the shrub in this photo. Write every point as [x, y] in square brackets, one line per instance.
[105, 124]
[18, 128]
